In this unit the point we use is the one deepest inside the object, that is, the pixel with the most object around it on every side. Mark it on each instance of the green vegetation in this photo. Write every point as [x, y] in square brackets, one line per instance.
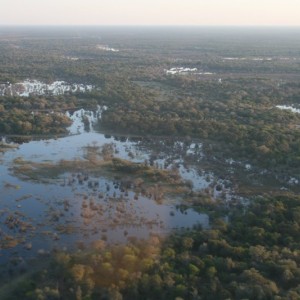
[37, 115]
[228, 106]
[100, 162]
[253, 256]
[235, 116]
[233, 109]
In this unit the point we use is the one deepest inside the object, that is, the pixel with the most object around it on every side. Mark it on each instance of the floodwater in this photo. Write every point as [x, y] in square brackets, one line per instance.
[39, 216]
[36, 87]
[289, 107]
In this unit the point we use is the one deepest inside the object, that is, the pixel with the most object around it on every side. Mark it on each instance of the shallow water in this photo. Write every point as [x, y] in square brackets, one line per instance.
[36, 87]
[63, 211]
[289, 107]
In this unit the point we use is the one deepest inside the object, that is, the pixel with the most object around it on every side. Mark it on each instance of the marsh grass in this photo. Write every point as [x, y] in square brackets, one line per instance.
[137, 175]
[5, 147]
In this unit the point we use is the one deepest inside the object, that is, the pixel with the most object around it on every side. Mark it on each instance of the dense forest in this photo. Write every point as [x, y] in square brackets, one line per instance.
[254, 256]
[222, 88]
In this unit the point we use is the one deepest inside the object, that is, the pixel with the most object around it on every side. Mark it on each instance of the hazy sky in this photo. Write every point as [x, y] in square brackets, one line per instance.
[150, 12]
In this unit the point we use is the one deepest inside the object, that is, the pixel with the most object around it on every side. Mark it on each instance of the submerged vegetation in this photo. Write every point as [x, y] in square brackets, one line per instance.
[253, 256]
[100, 162]
[206, 137]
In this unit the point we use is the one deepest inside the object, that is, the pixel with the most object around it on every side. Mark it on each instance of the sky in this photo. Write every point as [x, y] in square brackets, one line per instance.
[151, 12]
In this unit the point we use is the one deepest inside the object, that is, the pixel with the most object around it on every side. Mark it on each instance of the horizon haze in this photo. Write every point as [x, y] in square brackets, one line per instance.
[155, 12]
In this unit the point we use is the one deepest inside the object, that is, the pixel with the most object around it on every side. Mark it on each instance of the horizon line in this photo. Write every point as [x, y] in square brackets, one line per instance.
[148, 25]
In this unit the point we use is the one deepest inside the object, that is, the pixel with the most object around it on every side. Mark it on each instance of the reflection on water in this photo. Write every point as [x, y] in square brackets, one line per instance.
[35, 87]
[80, 207]
[289, 107]
[75, 209]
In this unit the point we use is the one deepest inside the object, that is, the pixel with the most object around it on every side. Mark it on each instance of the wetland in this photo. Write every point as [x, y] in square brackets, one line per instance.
[148, 164]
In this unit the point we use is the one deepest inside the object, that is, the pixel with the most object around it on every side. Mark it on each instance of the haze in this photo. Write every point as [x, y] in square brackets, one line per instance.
[154, 12]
